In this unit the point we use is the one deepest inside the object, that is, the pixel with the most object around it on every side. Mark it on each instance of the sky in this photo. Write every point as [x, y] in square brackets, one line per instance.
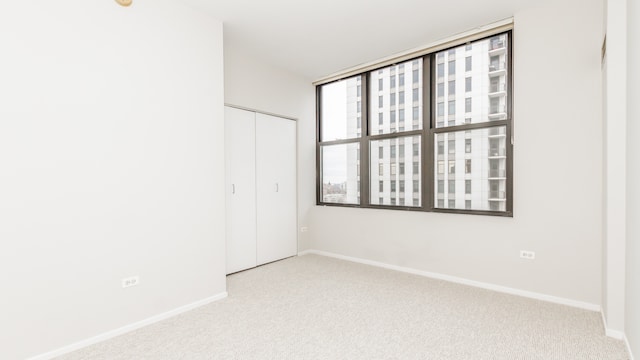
[334, 126]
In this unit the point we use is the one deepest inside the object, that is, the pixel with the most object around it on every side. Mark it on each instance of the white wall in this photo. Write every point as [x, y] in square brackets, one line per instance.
[604, 173]
[259, 86]
[111, 158]
[615, 167]
[632, 314]
[557, 177]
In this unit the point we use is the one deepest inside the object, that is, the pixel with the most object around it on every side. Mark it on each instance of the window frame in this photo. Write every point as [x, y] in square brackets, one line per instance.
[428, 134]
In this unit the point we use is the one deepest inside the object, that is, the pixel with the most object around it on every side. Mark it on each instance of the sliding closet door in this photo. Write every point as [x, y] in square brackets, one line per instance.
[276, 188]
[240, 169]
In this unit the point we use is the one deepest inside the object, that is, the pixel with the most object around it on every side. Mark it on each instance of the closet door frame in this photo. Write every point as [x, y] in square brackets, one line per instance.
[284, 248]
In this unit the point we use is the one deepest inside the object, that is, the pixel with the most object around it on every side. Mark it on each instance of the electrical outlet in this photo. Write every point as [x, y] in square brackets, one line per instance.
[529, 255]
[130, 281]
[304, 229]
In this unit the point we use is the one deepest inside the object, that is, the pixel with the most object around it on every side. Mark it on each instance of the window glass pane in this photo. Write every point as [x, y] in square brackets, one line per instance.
[393, 111]
[440, 70]
[388, 175]
[486, 69]
[339, 173]
[340, 110]
[483, 183]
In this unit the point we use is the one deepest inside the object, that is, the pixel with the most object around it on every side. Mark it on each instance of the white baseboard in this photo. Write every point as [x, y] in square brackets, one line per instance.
[626, 342]
[127, 328]
[458, 280]
[616, 334]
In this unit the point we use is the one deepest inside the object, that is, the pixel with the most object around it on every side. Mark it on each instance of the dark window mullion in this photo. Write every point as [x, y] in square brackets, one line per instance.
[364, 142]
[318, 163]
[509, 143]
[474, 126]
[339, 142]
[509, 189]
[427, 135]
[395, 135]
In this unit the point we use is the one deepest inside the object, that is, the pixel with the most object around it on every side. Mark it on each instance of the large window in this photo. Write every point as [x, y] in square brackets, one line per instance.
[453, 149]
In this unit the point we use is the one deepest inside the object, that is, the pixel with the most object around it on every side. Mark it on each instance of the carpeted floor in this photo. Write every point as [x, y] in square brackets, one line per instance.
[314, 307]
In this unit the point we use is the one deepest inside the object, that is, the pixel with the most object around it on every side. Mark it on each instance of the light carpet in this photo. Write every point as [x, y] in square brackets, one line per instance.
[315, 307]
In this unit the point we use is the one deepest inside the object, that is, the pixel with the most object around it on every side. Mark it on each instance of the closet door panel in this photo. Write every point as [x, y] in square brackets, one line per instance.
[276, 188]
[240, 170]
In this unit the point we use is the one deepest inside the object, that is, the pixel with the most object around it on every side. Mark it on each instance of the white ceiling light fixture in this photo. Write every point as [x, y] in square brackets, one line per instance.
[124, 2]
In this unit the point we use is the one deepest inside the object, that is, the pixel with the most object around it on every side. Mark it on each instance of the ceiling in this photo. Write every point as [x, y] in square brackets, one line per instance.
[317, 38]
